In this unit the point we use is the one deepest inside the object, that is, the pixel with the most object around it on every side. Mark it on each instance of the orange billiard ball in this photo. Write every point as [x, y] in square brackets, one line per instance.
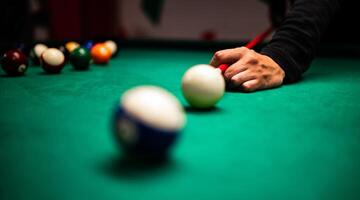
[100, 53]
[71, 46]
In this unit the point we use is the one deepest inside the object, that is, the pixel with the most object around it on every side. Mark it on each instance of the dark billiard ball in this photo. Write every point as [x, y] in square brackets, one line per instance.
[80, 58]
[52, 60]
[36, 52]
[88, 44]
[14, 63]
[66, 53]
[23, 48]
[139, 132]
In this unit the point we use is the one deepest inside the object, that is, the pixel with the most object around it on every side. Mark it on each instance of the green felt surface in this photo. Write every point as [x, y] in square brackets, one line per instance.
[300, 141]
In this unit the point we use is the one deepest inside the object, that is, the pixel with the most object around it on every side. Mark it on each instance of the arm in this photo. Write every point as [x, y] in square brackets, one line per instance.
[294, 43]
[288, 54]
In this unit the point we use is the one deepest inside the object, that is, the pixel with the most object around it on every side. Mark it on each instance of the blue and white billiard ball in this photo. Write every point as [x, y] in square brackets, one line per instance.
[148, 121]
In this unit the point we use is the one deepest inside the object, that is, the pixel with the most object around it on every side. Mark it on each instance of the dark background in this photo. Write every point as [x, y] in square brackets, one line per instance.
[31, 21]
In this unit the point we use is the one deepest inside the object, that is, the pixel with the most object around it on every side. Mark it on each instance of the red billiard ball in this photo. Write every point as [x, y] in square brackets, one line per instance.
[52, 60]
[14, 63]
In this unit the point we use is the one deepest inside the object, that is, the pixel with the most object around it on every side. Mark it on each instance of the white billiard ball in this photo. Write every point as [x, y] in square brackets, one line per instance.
[203, 86]
[52, 60]
[112, 46]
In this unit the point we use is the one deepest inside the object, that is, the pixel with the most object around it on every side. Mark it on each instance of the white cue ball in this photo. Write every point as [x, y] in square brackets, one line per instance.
[111, 45]
[203, 86]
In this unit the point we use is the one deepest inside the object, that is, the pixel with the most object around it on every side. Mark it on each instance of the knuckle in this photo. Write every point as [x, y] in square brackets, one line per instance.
[218, 55]
[242, 49]
[251, 56]
[266, 77]
[227, 75]
[259, 70]
[248, 88]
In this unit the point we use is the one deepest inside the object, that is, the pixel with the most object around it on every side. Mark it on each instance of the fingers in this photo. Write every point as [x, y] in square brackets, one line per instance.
[228, 56]
[252, 85]
[248, 70]
[249, 59]
[247, 84]
[242, 77]
[233, 70]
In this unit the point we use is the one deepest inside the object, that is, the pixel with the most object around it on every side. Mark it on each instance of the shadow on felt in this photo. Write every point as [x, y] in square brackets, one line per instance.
[213, 109]
[122, 167]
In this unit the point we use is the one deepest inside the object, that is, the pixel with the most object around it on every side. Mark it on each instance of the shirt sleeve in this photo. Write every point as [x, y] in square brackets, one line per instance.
[294, 43]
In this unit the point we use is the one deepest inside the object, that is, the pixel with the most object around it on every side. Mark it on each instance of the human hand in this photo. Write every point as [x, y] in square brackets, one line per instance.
[249, 70]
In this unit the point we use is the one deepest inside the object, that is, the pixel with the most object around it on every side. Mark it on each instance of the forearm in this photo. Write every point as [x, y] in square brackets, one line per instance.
[294, 43]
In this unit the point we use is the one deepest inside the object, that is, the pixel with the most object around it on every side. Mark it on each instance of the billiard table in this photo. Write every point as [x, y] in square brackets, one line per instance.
[299, 141]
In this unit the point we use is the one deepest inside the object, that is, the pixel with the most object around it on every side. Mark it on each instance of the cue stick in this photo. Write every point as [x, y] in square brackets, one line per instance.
[258, 39]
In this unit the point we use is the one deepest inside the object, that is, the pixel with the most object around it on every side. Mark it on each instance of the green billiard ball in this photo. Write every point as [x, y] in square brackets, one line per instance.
[80, 58]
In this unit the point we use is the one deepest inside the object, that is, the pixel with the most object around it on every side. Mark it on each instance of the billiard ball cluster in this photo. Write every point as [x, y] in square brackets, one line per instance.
[53, 60]
[148, 119]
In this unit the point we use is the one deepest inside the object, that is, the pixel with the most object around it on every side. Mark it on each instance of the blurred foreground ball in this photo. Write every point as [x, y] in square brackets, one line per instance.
[148, 121]
[203, 86]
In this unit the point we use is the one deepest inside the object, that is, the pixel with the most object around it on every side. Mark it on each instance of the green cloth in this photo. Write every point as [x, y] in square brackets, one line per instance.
[153, 10]
[300, 141]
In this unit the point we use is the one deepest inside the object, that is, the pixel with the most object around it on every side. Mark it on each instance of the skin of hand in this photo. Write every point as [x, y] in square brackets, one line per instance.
[249, 71]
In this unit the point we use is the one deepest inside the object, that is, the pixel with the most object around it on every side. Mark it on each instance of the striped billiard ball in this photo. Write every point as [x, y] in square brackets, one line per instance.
[148, 121]
[52, 60]
[14, 63]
